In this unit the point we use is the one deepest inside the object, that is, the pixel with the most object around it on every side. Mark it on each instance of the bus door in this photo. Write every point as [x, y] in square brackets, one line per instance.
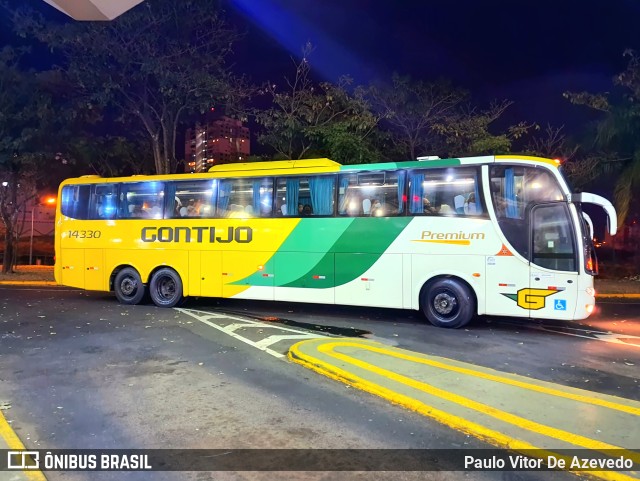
[553, 286]
[206, 267]
[73, 267]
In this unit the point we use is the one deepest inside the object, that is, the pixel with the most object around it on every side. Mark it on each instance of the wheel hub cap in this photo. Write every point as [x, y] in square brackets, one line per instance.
[128, 286]
[444, 303]
[167, 288]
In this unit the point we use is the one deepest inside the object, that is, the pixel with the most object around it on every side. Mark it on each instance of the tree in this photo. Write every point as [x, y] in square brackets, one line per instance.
[25, 115]
[618, 132]
[157, 63]
[412, 109]
[581, 166]
[308, 119]
[466, 132]
[110, 156]
[436, 117]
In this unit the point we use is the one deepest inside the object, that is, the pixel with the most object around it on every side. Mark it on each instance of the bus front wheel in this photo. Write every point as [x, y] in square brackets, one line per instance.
[128, 286]
[448, 303]
[165, 288]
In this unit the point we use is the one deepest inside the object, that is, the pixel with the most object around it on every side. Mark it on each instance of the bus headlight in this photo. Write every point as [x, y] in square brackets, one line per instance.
[589, 308]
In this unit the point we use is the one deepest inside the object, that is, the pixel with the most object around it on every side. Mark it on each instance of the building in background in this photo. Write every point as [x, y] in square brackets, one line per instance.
[218, 141]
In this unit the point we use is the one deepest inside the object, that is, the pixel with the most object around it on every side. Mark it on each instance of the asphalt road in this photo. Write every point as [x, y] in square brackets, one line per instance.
[601, 353]
[81, 371]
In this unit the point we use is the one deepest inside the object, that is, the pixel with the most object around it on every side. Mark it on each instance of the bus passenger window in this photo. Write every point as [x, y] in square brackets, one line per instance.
[371, 194]
[103, 202]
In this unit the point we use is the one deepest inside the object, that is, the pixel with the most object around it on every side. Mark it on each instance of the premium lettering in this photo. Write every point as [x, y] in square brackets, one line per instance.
[428, 235]
[241, 235]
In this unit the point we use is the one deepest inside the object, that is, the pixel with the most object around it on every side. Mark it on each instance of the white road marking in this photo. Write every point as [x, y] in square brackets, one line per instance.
[612, 337]
[209, 319]
[583, 332]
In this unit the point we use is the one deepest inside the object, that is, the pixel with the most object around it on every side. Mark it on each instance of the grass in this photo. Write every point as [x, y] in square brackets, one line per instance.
[29, 273]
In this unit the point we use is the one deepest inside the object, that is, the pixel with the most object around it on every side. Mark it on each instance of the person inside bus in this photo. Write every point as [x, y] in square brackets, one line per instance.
[187, 210]
[306, 210]
[430, 208]
[177, 205]
[152, 209]
[197, 208]
[135, 211]
[470, 207]
[376, 208]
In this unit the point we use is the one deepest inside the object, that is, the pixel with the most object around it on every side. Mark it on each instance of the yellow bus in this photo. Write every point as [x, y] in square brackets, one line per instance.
[453, 238]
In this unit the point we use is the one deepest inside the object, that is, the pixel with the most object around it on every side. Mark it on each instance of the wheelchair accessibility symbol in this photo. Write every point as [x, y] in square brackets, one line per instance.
[560, 305]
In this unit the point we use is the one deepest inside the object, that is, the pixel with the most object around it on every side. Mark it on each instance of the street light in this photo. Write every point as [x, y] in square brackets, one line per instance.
[49, 200]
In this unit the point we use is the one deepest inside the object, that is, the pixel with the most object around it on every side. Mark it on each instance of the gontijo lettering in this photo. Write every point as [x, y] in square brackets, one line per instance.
[241, 235]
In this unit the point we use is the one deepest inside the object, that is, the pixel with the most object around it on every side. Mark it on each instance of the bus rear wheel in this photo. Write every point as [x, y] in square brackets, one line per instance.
[165, 288]
[448, 303]
[128, 286]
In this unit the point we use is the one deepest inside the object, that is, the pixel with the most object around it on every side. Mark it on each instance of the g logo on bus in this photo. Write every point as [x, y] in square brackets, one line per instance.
[533, 299]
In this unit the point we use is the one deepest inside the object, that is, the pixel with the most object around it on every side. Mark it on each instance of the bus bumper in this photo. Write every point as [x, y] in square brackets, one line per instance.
[586, 303]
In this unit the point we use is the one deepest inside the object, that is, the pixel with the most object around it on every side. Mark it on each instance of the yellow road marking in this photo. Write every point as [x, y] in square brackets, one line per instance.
[493, 377]
[457, 422]
[504, 416]
[14, 443]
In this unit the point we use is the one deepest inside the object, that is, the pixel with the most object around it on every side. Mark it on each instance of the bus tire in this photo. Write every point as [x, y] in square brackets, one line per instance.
[165, 287]
[448, 303]
[128, 286]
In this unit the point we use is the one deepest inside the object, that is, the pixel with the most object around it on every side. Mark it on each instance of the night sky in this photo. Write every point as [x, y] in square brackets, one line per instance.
[527, 52]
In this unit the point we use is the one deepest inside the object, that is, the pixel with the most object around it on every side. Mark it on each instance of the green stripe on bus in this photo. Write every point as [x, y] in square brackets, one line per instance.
[364, 238]
[312, 237]
[357, 238]
[311, 248]
[416, 164]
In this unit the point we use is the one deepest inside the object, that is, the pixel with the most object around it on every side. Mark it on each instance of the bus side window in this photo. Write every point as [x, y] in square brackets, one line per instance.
[103, 202]
[75, 201]
[191, 198]
[141, 199]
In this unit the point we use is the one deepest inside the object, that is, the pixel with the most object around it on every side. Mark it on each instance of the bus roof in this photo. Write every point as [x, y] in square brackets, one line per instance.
[322, 165]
